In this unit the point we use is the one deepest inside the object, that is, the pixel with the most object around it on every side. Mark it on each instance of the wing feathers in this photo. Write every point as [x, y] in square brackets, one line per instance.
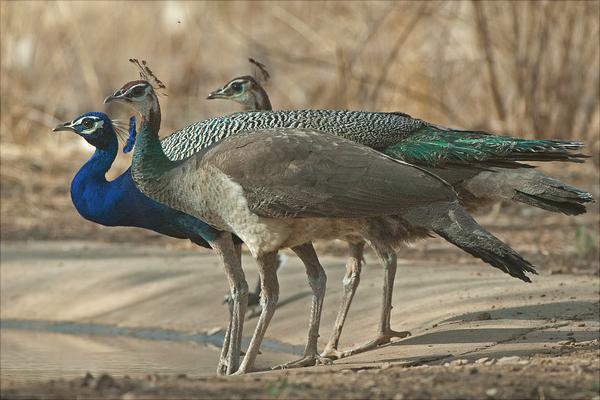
[303, 173]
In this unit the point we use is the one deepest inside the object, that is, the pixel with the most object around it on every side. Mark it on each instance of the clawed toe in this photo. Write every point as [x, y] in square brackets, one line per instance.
[308, 361]
[332, 353]
[380, 340]
[398, 334]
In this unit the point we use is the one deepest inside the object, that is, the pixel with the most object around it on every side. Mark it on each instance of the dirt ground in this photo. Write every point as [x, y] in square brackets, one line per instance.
[567, 374]
[476, 333]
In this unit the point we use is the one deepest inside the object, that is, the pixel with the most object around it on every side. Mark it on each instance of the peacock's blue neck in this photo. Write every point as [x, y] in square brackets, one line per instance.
[100, 162]
[89, 186]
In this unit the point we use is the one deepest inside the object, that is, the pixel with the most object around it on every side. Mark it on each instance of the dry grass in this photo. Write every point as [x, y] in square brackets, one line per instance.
[526, 69]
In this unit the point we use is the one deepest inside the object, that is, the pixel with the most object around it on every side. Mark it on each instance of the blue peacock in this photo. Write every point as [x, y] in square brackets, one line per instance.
[119, 202]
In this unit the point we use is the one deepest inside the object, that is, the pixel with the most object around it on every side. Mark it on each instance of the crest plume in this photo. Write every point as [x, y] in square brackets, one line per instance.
[147, 75]
[263, 70]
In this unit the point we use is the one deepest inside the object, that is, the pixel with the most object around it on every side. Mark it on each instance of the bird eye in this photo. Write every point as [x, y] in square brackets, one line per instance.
[137, 91]
[237, 87]
[87, 123]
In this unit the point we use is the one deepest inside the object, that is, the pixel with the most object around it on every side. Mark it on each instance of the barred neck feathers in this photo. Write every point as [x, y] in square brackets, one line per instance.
[374, 129]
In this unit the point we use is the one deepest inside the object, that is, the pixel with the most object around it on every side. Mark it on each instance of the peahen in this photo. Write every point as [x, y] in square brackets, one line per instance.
[278, 187]
[476, 186]
[119, 202]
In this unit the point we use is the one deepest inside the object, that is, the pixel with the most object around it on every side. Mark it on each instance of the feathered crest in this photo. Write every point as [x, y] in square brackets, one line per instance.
[264, 74]
[147, 75]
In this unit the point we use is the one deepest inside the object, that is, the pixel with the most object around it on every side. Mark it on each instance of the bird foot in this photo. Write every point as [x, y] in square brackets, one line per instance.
[381, 339]
[332, 353]
[306, 361]
[222, 368]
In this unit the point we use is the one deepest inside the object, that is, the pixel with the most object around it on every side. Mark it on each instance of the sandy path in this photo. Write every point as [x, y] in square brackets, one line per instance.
[442, 305]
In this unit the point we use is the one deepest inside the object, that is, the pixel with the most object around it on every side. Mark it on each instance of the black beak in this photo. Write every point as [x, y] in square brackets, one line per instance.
[63, 127]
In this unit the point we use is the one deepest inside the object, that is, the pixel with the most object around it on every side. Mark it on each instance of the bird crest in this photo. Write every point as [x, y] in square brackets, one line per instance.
[147, 75]
[262, 68]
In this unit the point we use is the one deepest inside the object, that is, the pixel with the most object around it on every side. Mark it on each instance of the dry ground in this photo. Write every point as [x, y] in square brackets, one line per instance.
[476, 332]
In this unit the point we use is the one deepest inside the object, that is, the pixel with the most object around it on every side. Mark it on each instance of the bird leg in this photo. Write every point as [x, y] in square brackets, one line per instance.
[317, 281]
[229, 256]
[350, 282]
[267, 268]
[384, 332]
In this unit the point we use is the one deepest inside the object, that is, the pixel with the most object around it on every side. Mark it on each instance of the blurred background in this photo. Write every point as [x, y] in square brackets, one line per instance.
[528, 69]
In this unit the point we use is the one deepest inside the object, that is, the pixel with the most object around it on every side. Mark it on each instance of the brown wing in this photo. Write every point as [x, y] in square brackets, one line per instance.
[304, 173]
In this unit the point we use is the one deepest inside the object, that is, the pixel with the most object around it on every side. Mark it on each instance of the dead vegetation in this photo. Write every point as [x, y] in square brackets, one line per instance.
[522, 68]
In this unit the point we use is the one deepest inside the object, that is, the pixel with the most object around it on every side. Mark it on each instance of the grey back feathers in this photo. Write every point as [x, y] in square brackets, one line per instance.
[373, 129]
[302, 173]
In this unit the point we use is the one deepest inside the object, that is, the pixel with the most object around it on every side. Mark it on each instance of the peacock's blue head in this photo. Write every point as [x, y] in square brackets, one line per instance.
[96, 128]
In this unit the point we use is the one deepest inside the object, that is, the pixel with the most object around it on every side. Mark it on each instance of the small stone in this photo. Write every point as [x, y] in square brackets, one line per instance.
[386, 365]
[491, 362]
[581, 324]
[484, 316]
[105, 381]
[509, 360]
[214, 331]
[434, 325]
[461, 361]
[473, 371]
[87, 379]
[491, 392]
[566, 342]
[481, 360]
[447, 364]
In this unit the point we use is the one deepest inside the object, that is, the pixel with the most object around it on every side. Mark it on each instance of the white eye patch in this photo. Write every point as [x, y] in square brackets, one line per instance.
[98, 123]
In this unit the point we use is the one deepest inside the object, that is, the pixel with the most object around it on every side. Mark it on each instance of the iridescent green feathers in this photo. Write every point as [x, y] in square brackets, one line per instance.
[436, 146]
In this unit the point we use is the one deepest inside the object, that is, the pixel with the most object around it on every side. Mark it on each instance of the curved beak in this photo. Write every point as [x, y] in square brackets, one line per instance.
[115, 97]
[63, 127]
[217, 94]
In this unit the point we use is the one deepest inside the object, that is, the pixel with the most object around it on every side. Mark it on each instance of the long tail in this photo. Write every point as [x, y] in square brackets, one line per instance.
[555, 196]
[530, 187]
[456, 226]
[433, 145]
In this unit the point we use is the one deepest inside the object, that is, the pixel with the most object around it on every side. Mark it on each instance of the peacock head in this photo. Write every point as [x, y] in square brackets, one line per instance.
[243, 90]
[98, 129]
[137, 94]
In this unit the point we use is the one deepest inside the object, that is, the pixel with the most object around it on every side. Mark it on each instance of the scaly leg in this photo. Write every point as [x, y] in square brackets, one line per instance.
[350, 282]
[267, 268]
[384, 332]
[229, 257]
[317, 281]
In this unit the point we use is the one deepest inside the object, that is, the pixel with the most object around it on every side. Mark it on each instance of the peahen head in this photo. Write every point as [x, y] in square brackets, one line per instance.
[137, 94]
[244, 90]
[99, 130]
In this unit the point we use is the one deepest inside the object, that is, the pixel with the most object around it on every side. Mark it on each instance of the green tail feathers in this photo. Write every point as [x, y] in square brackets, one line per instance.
[436, 146]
